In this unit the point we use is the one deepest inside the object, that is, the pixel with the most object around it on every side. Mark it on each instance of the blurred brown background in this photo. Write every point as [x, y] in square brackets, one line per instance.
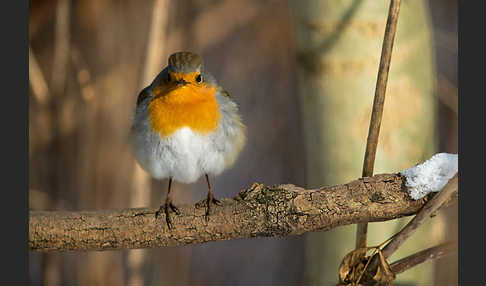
[89, 59]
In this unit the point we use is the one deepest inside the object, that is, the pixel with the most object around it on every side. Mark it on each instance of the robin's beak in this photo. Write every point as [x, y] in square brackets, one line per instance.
[181, 82]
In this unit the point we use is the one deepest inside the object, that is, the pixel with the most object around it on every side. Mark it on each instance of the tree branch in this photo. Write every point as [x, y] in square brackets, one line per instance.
[440, 199]
[435, 252]
[378, 105]
[259, 211]
[423, 215]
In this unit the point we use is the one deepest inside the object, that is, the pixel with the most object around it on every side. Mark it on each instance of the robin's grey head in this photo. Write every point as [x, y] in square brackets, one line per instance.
[185, 62]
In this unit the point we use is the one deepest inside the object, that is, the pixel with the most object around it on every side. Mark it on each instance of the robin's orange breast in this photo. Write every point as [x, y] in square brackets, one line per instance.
[191, 105]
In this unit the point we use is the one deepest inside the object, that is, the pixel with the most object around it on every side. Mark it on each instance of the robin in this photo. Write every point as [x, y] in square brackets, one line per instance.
[185, 126]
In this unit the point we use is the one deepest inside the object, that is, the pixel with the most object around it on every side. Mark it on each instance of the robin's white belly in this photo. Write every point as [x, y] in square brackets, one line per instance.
[184, 155]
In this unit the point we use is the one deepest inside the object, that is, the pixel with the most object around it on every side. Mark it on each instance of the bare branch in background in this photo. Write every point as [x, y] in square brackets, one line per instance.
[156, 47]
[61, 45]
[141, 187]
[140, 196]
[378, 105]
[37, 80]
[259, 211]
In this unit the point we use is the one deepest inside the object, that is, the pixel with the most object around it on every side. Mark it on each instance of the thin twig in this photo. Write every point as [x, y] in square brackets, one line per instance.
[423, 215]
[378, 103]
[435, 252]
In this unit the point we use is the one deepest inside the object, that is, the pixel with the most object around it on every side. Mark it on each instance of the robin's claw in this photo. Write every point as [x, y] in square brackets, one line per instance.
[169, 223]
[157, 213]
[167, 216]
[209, 202]
[174, 208]
[217, 202]
[165, 207]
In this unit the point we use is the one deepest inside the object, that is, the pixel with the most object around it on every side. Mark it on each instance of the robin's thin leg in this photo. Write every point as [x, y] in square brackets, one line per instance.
[210, 199]
[165, 207]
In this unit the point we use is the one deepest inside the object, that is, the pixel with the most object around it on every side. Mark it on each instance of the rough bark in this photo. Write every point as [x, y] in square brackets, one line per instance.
[259, 211]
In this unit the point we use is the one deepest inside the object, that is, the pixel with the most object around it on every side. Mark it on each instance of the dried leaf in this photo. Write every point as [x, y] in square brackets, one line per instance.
[352, 265]
[384, 275]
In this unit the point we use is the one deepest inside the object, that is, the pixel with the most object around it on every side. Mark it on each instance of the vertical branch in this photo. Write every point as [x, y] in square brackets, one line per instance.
[140, 196]
[378, 103]
[153, 61]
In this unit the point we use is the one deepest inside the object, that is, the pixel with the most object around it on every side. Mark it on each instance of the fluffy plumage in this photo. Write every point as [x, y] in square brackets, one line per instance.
[186, 153]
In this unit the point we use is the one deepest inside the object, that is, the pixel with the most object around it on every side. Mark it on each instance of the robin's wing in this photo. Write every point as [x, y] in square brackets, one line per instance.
[225, 93]
[144, 94]
[162, 76]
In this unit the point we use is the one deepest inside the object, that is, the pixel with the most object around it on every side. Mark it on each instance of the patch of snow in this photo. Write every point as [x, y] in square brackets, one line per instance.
[430, 176]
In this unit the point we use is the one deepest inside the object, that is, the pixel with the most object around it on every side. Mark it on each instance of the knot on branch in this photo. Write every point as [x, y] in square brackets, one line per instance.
[285, 207]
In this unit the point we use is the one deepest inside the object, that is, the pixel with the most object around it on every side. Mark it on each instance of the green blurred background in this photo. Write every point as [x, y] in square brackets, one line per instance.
[303, 73]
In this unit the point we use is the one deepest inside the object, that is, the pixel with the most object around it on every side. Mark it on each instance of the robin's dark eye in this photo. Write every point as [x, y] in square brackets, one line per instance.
[199, 78]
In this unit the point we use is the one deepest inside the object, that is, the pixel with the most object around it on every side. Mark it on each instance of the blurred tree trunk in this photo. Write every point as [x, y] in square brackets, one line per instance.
[339, 47]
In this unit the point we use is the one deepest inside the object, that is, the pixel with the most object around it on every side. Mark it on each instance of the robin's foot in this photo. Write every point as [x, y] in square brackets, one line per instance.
[165, 208]
[210, 200]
